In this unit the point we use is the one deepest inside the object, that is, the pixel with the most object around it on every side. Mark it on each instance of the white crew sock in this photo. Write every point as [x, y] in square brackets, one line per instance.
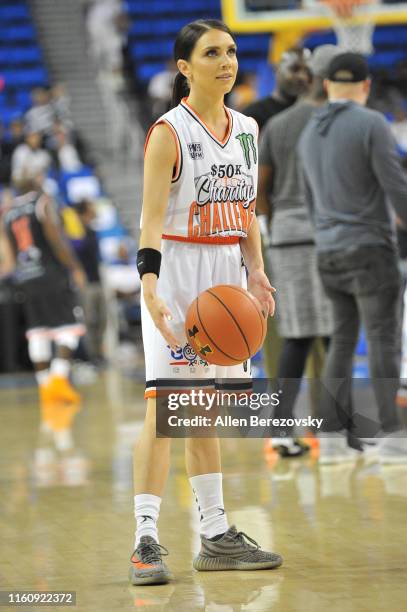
[63, 440]
[146, 511]
[207, 489]
[42, 377]
[60, 367]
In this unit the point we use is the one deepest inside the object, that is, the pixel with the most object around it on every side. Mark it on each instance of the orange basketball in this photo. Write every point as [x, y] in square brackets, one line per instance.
[225, 325]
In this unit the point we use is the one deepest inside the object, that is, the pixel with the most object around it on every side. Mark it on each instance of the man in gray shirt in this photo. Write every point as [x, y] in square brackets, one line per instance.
[352, 173]
[303, 312]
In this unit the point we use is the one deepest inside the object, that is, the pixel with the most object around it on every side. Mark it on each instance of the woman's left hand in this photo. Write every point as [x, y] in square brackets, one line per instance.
[259, 286]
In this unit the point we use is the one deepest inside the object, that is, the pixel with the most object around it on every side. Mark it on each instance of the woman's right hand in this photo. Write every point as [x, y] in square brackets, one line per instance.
[160, 314]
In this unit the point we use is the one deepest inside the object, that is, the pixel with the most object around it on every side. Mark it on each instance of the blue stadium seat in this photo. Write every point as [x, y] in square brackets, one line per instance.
[23, 99]
[248, 64]
[8, 114]
[384, 59]
[21, 64]
[25, 78]
[143, 7]
[146, 71]
[257, 44]
[77, 185]
[152, 48]
[266, 79]
[390, 35]
[20, 55]
[148, 27]
[326, 37]
[16, 33]
[245, 43]
[15, 12]
[20, 99]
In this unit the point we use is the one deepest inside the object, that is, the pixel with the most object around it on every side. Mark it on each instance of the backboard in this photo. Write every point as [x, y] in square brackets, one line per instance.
[246, 16]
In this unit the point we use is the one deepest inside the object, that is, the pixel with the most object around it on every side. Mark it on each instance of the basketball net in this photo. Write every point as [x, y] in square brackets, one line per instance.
[353, 27]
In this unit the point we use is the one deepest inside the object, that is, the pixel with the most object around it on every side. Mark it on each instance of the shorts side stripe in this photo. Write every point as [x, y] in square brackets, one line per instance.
[75, 330]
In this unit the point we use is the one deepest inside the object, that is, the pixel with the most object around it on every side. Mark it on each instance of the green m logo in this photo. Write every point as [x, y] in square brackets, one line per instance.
[248, 145]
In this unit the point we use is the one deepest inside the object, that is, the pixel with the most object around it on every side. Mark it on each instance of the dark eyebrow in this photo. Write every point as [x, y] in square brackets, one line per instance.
[232, 46]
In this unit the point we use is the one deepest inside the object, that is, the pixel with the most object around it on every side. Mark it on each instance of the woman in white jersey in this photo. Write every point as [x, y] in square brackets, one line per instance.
[198, 220]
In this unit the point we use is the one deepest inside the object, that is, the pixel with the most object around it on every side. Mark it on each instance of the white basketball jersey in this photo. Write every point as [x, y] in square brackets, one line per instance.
[213, 191]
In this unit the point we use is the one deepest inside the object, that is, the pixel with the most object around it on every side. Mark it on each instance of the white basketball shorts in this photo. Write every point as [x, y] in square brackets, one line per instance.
[187, 269]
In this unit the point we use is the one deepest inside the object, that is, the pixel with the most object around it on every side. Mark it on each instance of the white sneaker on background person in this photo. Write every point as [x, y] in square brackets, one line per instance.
[333, 448]
[393, 448]
[371, 447]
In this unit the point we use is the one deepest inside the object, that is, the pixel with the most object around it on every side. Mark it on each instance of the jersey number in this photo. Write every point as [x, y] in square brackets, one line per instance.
[22, 233]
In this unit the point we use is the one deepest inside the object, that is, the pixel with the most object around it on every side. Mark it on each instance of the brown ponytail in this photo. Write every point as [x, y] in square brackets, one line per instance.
[180, 89]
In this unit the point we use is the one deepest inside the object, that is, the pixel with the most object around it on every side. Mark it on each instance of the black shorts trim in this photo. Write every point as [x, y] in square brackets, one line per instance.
[172, 383]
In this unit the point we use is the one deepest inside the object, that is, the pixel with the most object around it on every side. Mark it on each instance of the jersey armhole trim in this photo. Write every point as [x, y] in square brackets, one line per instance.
[178, 162]
[257, 127]
[40, 207]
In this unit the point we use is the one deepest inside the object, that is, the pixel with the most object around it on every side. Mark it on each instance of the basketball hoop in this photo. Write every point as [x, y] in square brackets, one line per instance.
[353, 24]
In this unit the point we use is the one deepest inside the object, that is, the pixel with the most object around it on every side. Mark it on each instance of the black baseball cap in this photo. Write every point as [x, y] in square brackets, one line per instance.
[348, 68]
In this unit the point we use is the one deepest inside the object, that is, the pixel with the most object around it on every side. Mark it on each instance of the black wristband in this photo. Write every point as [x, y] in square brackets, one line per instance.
[148, 260]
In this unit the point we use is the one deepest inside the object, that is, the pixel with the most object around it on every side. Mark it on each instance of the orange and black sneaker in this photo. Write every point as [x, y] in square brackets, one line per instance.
[46, 396]
[147, 567]
[59, 416]
[290, 447]
[59, 389]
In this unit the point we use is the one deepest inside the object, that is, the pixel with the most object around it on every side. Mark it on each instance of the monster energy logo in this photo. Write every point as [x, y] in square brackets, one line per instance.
[247, 144]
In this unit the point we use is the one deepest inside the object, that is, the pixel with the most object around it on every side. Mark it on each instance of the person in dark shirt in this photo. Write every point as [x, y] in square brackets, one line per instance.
[87, 251]
[9, 142]
[304, 311]
[293, 79]
[47, 275]
[5, 159]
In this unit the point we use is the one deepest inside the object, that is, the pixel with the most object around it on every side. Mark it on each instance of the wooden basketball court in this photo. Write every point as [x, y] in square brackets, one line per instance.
[67, 516]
